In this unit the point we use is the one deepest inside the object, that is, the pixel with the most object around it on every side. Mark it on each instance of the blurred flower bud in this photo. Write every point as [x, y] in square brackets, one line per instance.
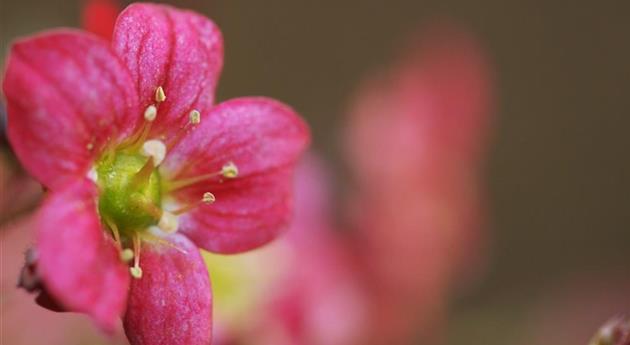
[614, 332]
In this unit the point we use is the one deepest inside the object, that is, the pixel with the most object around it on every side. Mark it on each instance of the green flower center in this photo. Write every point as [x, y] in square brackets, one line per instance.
[130, 195]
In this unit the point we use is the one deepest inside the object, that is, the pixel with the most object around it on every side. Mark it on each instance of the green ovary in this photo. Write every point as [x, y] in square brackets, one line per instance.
[130, 205]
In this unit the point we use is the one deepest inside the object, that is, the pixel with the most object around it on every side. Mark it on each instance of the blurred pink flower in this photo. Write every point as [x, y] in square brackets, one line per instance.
[115, 133]
[307, 289]
[99, 17]
[615, 332]
[415, 139]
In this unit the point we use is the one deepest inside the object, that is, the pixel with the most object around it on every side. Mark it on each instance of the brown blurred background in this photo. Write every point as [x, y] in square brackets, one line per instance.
[559, 171]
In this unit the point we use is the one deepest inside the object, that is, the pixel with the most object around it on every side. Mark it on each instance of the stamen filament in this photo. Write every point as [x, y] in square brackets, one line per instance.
[136, 271]
[208, 198]
[150, 114]
[179, 184]
[229, 171]
[194, 118]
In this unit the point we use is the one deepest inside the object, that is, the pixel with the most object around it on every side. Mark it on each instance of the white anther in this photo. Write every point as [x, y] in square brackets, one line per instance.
[136, 272]
[194, 117]
[208, 198]
[156, 149]
[92, 175]
[168, 222]
[126, 255]
[229, 170]
[31, 256]
[150, 113]
[160, 96]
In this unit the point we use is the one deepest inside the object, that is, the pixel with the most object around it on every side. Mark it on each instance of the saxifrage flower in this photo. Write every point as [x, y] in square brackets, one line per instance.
[416, 140]
[143, 169]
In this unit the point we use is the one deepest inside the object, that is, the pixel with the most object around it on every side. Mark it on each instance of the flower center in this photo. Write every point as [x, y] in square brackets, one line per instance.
[132, 189]
[128, 199]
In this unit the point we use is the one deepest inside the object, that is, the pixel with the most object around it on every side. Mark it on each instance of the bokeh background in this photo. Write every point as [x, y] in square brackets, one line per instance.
[558, 174]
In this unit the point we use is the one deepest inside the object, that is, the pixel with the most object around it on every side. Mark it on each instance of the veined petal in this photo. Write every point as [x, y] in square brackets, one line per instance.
[78, 263]
[67, 95]
[181, 51]
[172, 303]
[247, 214]
[264, 139]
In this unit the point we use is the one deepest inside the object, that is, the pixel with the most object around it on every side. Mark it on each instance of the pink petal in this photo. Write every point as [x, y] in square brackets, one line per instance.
[99, 17]
[67, 94]
[77, 261]
[264, 138]
[247, 214]
[436, 99]
[172, 303]
[181, 51]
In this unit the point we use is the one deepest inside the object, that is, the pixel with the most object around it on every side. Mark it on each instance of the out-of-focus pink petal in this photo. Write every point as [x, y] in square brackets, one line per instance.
[99, 17]
[77, 261]
[171, 304]
[264, 138]
[67, 95]
[428, 113]
[416, 136]
[179, 50]
[313, 197]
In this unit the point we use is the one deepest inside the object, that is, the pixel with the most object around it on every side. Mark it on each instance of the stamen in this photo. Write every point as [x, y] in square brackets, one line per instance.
[144, 174]
[160, 96]
[194, 118]
[208, 198]
[229, 171]
[150, 113]
[136, 271]
[168, 222]
[126, 255]
[92, 175]
[155, 149]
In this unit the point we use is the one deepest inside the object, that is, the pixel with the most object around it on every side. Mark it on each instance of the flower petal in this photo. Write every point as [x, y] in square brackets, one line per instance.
[78, 263]
[247, 214]
[264, 138]
[99, 17]
[172, 303]
[63, 106]
[179, 50]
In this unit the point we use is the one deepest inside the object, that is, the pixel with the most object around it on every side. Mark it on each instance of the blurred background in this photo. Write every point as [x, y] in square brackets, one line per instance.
[557, 172]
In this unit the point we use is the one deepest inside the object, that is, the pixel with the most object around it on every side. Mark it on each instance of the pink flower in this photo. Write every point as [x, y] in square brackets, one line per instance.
[415, 142]
[143, 169]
